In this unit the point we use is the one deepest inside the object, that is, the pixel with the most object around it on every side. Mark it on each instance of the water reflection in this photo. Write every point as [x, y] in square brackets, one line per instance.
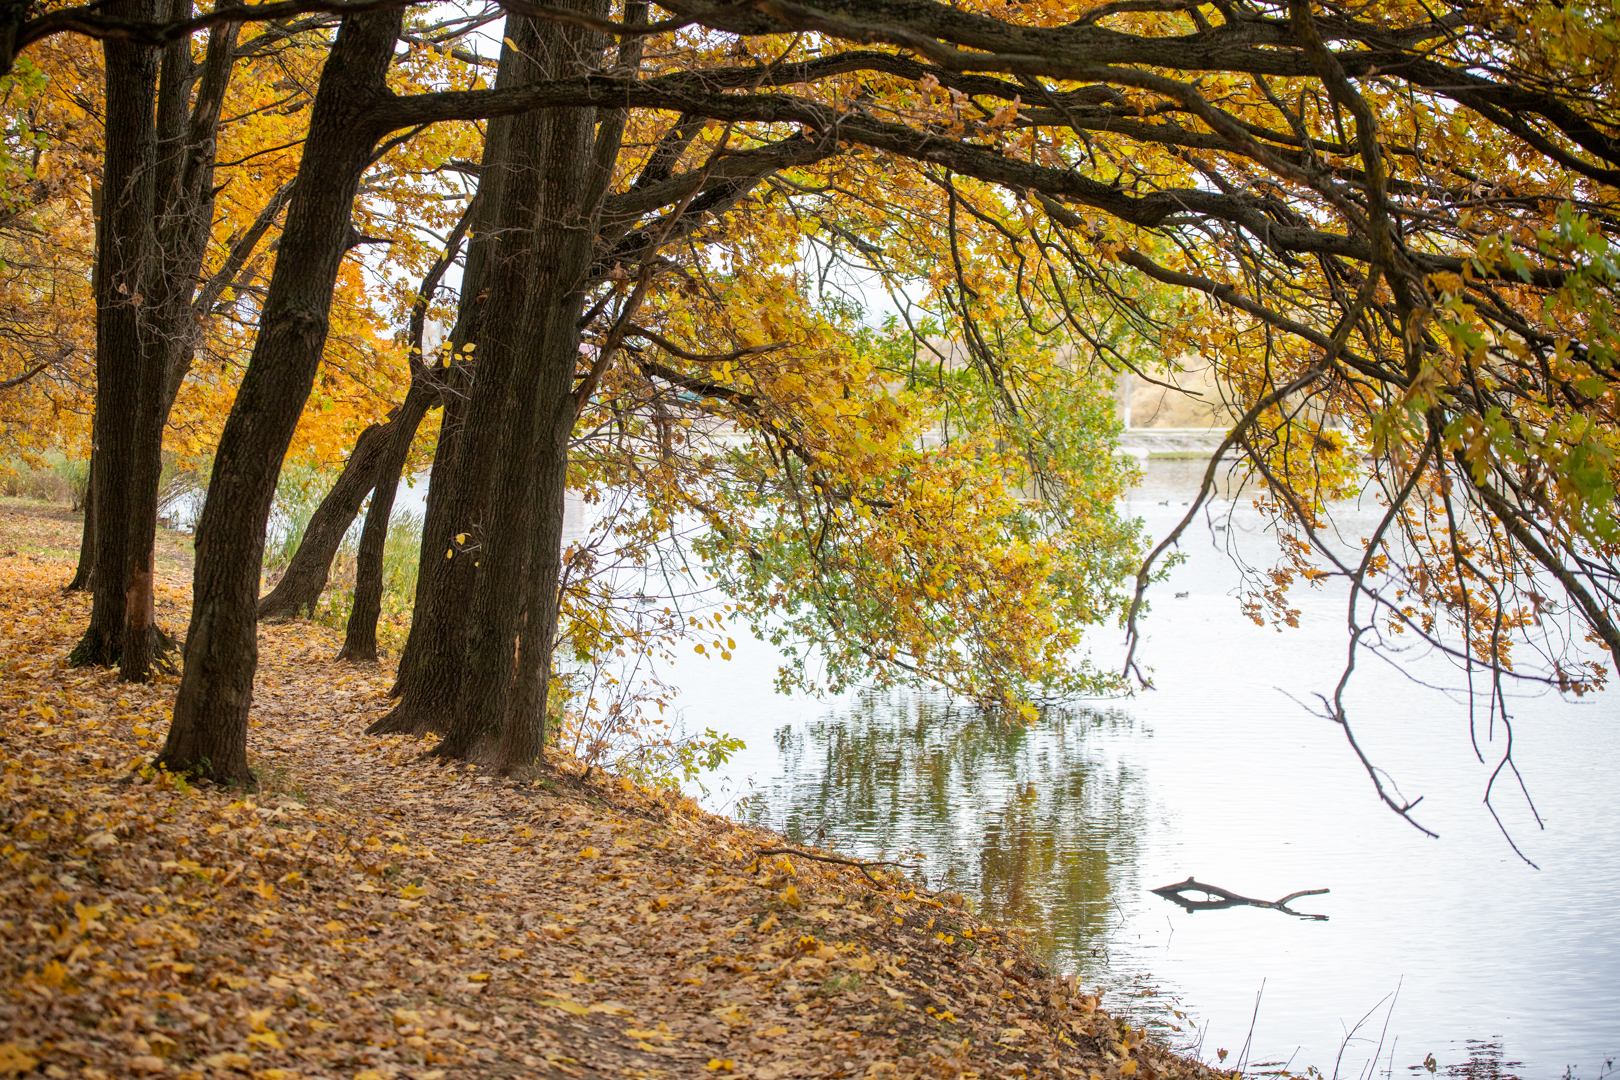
[1484, 1062]
[1035, 824]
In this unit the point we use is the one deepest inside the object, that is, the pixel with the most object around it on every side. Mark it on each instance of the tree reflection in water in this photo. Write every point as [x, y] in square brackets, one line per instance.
[1033, 823]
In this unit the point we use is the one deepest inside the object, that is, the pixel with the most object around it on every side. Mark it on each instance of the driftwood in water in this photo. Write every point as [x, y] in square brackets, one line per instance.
[1227, 899]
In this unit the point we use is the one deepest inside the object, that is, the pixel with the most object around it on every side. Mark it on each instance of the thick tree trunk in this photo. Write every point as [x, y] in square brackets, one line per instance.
[208, 737]
[122, 272]
[544, 349]
[431, 666]
[433, 526]
[360, 635]
[524, 733]
[301, 586]
[183, 205]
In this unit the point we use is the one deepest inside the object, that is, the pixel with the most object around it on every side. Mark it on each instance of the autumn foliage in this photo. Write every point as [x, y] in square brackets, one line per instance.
[371, 915]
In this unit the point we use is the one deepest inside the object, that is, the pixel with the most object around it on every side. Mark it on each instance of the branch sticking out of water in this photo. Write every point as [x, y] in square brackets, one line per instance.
[1173, 893]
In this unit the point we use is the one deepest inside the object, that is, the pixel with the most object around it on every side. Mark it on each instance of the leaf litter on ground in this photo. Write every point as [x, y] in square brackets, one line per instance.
[368, 914]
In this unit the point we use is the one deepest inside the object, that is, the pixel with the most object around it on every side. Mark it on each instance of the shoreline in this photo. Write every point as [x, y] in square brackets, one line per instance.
[373, 916]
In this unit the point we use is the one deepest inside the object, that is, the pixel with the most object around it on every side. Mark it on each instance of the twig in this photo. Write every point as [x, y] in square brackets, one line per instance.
[861, 866]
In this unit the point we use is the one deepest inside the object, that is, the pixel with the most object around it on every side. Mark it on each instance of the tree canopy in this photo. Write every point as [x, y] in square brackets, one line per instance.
[1388, 230]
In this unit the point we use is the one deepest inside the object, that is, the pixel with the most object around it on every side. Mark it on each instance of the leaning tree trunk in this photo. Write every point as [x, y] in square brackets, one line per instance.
[123, 260]
[301, 586]
[431, 665]
[208, 737]
[360, 636]
[85, 576]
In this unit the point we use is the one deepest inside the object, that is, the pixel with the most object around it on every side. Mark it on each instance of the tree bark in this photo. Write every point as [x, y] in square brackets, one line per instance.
[122, 271]
[301, 586]
[184, 204]
[208, 737]
[536, 426]
[431, 666]
[433, 519]
[360, 635]
[524, 732]
[85, 576]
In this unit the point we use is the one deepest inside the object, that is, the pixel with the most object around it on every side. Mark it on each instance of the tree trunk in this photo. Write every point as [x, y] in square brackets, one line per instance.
[544, 350]
[208, 737]
[524, 733]
[430, 669]
[85, 576]
[184, 202]
[123, 261]
[433, 518]
[360, 635]
[301, 586]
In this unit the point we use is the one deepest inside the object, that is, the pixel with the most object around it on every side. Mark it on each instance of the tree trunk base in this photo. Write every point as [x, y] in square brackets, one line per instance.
[411, 718]
[200, 768]
[95, 649]
[492, 758]
[357, 654]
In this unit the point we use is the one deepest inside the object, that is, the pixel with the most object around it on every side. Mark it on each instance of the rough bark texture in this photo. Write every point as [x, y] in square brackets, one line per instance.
[184, 204]
[209, 735]
[538, 419]
[85, 576]
[123, 265]
[433, 517]
[301, 586]
[524, 733]
[431, 666]
[360, 636]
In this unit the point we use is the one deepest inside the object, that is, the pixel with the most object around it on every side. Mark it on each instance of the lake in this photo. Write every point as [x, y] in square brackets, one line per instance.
[1453, 951]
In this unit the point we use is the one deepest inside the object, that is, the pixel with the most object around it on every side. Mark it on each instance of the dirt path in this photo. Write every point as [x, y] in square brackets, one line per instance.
[368, 915]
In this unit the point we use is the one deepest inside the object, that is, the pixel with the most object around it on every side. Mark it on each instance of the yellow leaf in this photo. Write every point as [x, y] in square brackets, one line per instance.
[268, 1039]
[258, 1018]
[228, 1059]
[567, 1006]
[589, 853]
[790, 896]
[411, 892]
[731, 1014]
[1128, 1068]
[863, 963]
[14, 1060]
[721, 1064]
[333, 927]
[481, 976]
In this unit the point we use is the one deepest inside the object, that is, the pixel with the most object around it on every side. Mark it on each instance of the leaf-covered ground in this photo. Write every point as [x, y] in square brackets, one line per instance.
[370, 915]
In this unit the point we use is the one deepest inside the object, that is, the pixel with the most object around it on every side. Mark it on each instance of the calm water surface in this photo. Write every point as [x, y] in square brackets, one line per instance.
[1453, 948]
